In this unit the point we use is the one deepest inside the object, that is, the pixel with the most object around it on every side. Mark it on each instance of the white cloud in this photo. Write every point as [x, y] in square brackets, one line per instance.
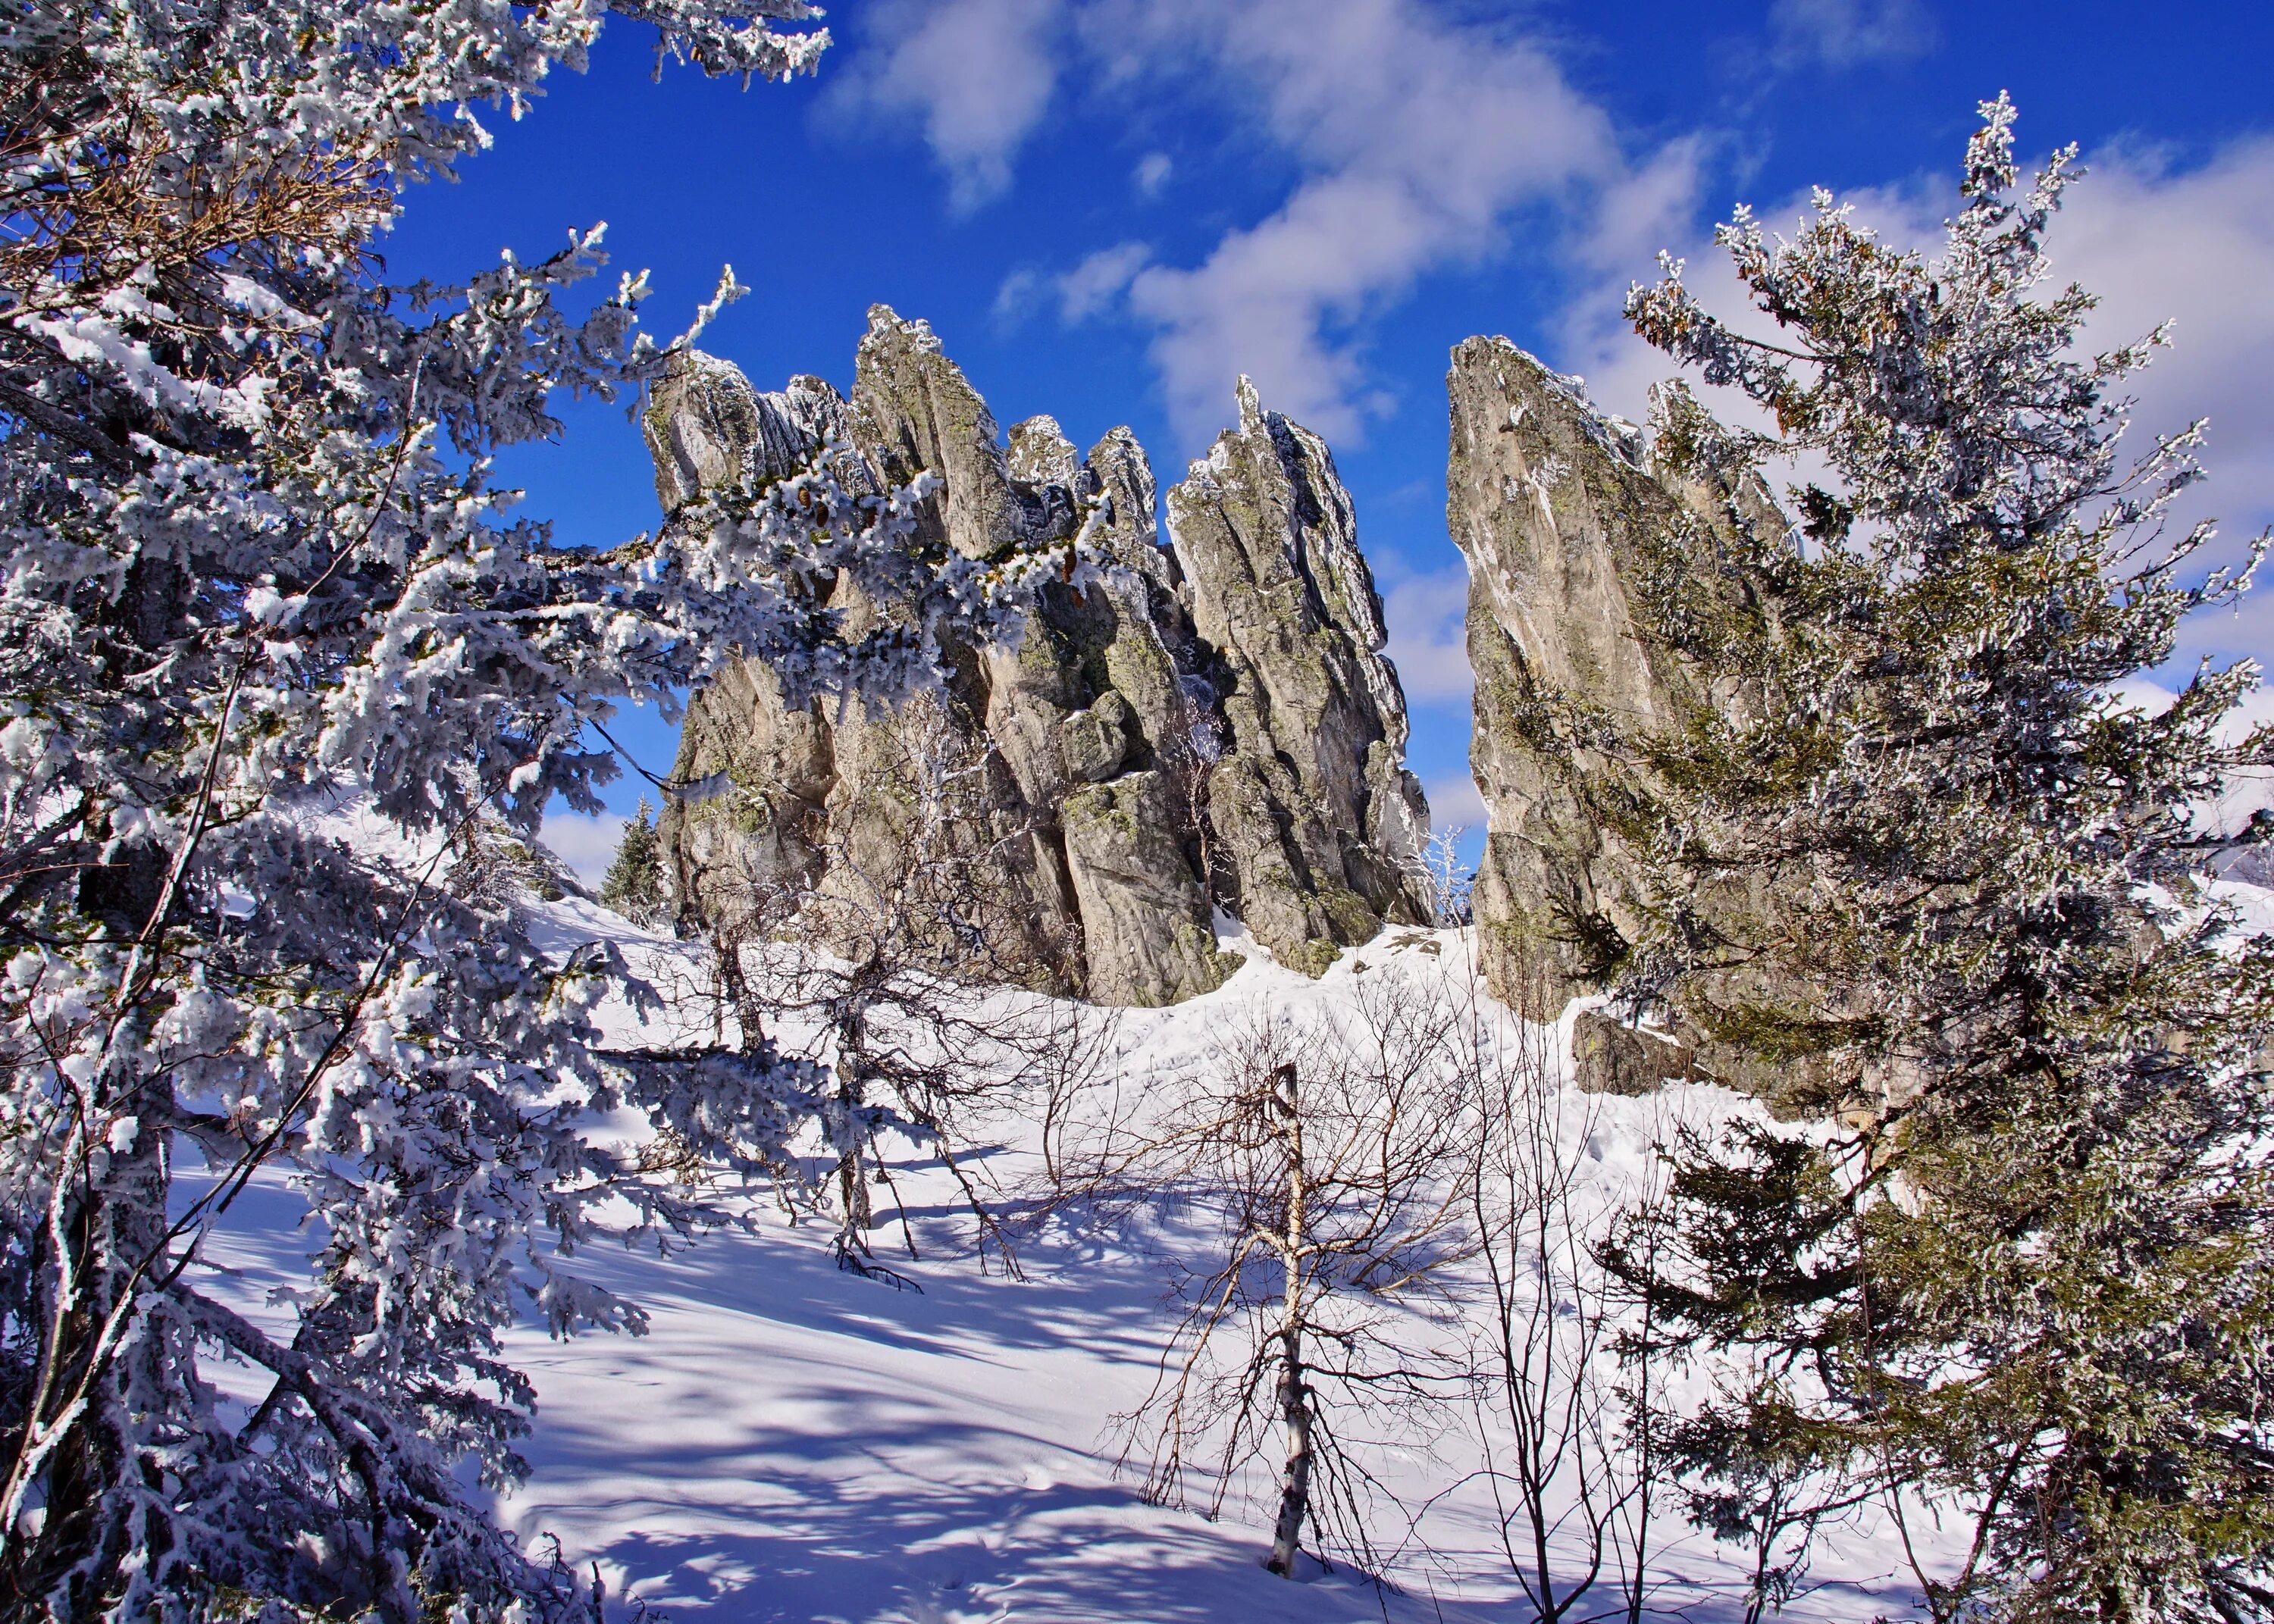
[1417, 139]
[1842, 33]
[1086, 291]
[1016, 298]
[1651, 209]
[1420, 138]
[976, 75]
[2192, 246]
[1454, 802]
[1098, 279]
[1428, 632]
[1151, 174]
[587, 844]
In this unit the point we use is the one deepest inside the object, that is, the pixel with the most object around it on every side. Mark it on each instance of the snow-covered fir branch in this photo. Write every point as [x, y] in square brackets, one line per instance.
[257, 571]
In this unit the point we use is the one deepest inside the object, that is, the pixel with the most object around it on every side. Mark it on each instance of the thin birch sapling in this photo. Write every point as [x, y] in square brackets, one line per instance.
[1323, 1165]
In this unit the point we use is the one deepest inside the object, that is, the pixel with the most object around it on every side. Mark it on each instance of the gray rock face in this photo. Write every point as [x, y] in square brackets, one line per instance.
[1549, 503]
[1322, 825]
[1122, 771]
[706, 426]
[1566, 524]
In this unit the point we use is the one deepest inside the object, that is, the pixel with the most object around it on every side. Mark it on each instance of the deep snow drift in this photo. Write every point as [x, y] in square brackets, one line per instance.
[790, 1442]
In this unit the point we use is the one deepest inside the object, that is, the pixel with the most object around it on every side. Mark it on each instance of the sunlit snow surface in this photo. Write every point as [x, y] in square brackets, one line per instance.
[791, 1442]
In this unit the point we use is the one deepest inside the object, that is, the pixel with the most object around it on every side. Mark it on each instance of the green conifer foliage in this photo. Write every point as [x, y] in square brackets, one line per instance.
[635, 885]
[2028, 1286]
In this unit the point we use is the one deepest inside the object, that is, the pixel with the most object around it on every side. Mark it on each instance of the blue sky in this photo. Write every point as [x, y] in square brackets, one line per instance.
[1109, 207]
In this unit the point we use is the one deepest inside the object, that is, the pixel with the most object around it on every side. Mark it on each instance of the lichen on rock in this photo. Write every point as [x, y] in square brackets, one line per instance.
[1151, 749]
[1588, 554]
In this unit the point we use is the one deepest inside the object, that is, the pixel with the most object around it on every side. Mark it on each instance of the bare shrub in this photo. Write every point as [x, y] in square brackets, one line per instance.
[1567, 1442]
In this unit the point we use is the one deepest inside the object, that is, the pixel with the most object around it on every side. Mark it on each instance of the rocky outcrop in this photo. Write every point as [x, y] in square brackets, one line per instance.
[1576, 539]
[1548, 502]
[706, 426]
[1319, 824]
[1216, 726]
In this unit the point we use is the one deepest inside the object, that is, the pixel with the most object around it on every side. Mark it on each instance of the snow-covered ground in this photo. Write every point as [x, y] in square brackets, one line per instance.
[789, 1442]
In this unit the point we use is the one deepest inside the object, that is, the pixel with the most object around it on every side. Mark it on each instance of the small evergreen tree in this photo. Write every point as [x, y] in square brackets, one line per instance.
[1932, 856]
[634, 885]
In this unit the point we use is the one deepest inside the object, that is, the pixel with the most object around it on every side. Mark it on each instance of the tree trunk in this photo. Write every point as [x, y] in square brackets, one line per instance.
[1295, 1486]
[1294, 1392]
[118, 1230]
[852, 1070]
[853, 1190]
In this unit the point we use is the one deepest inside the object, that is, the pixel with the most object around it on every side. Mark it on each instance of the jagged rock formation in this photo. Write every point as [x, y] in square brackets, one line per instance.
[1312, 804]
[1547, 501]
[1567, 523]
[1217, 727]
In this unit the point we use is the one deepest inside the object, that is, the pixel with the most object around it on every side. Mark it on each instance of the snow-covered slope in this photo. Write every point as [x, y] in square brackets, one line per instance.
[792, 1442]
[789, 1442]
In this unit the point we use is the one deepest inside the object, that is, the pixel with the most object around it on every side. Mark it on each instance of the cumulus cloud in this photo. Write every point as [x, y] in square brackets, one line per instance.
[1095, 282]
[975, 75]
[2190, 246]
[1842, 33]
[1419, 139]
[1020, 292]
[1652, 208]
[1151, 174]
[1099, 279]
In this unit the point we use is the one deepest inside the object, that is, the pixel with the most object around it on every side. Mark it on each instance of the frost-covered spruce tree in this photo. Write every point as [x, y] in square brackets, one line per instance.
[258, 587]
[2034, 1290]
[634, 885]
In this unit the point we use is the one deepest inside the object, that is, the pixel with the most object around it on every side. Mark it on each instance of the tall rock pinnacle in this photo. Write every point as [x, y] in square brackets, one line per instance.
[1569, 528]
